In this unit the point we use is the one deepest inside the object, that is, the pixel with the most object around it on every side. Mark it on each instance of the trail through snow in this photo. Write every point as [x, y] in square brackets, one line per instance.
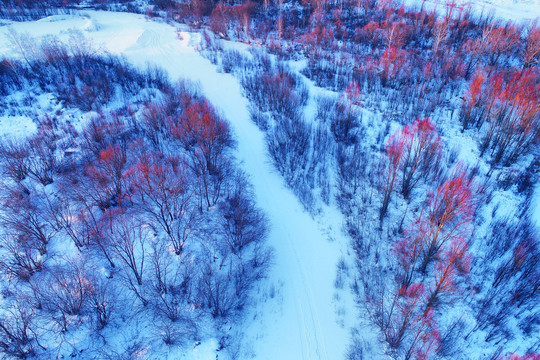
[297, 314]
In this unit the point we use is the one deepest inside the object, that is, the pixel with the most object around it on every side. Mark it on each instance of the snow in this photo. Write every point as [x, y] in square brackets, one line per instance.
[536, 207]
[16, 127]
[515, 10]
[296, 317]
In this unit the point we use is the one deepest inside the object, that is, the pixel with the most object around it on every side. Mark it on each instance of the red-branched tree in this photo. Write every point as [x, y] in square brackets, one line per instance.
[423, 152]
[493, 43]
[471, 101]
[501, 41]
[395, 149]
[408, 302]
[165, 192]
[220, 18]
[409, 250]
[408, 324]
[415, 151]
[206, 137]
[200, 129]
[531, 53]
[450, 214]
[105, 176]
[455, 260]
[392, 61]
[515, 119]
[508, 103]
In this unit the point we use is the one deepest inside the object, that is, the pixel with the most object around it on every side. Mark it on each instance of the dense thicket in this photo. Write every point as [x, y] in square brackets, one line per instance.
[441, 266]
[420, 219]
[142, 215]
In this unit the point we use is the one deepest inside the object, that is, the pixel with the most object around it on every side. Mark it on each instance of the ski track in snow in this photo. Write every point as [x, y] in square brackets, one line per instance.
[298, 323]
[291, 228]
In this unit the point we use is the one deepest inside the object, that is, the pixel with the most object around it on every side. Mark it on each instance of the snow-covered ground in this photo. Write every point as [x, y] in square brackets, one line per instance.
[515, 10]
[535, 213]
[300, 314]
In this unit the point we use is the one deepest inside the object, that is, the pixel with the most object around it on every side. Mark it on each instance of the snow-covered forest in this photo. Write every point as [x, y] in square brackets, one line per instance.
[292, 179]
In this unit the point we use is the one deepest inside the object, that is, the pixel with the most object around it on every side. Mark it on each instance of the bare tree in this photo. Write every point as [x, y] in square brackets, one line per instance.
[129, 239]
[102, 300]
[20, 258]
[165, 192]
[216, 288]
[18, 331]
[531, 53]
[14, 160]
[242, 223]
[42, 162]
[172, 286]
[24, 217]
[63, 292]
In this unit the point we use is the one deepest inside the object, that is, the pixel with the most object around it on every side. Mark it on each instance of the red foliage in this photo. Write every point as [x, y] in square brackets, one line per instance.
[201, 130]
[401, 11]
[391, 62]
[409, 303]
[371, 34]
[426, 339]
[531, 53]
[163, 188]
[493, 43]
[394, 150]
[398, 34]
[455, 260]
[338, 24]
[106, 175]
[532, 356]
[242, 14]
[525, 253]
[510, 103]
[320, 36]
[475, 89]
[411, 323]
[501, 41]
[415, 151]
[451, 210]
[409, 249]
[219, 19]
[423, 150]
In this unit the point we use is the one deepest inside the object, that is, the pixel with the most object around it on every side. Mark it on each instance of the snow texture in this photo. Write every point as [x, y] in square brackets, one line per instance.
[296, 317]
[518, 11]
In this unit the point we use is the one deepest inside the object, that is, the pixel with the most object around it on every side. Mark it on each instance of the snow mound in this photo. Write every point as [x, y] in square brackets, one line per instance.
[148, 39]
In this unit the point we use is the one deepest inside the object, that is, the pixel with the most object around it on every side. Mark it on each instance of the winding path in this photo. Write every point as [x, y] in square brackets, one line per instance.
[296, 318]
